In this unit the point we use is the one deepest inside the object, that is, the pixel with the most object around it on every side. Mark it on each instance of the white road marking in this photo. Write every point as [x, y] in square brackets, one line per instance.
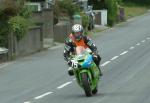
[132, 48]
[138, 44]
[43, 95]
[147, 38]
[63, 85]
[27, 102]
[105, 63]
[115, 57]
[124, 52]
[143, 41]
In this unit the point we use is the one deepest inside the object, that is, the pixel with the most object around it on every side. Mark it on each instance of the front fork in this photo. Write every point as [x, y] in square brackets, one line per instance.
[88, 74]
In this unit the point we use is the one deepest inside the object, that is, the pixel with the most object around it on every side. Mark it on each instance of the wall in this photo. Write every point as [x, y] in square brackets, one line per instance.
[61, 30]
[48, 23]
[31, 42]
[46, 18]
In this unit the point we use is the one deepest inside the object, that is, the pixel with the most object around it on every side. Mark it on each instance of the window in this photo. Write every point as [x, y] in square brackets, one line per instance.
[34, 6]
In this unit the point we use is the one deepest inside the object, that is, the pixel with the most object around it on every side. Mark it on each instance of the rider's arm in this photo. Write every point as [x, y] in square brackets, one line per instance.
[90, 44]
[66, 53]
[67, 50]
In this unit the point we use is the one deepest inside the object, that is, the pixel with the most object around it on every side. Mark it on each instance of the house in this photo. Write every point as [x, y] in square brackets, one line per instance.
[43, 3]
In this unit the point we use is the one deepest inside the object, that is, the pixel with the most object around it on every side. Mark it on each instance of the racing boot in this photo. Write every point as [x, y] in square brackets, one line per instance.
[100, 72]
[70, 71]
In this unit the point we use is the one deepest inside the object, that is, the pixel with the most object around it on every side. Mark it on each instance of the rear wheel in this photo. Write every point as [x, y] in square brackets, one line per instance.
[86, 85]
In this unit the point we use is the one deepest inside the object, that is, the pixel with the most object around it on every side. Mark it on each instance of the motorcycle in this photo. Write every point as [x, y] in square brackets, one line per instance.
[85, 71]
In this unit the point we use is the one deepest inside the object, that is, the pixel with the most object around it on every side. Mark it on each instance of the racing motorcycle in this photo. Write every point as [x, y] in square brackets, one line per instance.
[85, 71]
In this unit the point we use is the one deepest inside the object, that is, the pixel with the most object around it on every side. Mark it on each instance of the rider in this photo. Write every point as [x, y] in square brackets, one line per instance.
[76, 38]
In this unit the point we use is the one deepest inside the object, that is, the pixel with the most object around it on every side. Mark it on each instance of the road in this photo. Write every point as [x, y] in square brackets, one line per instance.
[42, 77]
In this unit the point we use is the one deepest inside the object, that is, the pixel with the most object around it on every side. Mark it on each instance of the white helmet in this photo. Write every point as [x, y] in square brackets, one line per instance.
[77, 28]
[77, 31]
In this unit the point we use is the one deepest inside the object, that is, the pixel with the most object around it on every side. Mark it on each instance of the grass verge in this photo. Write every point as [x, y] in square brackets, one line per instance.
[132, 10]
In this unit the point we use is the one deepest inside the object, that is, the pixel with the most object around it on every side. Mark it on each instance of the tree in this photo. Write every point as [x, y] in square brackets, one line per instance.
[143, 2]
[11, 8]
[97, 4]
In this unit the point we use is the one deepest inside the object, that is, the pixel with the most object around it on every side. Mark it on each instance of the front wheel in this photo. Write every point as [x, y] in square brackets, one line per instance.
[95, 90]
[86, 85]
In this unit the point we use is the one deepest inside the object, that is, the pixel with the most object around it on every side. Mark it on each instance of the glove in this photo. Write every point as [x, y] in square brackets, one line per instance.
[95, 55]
[69, 63]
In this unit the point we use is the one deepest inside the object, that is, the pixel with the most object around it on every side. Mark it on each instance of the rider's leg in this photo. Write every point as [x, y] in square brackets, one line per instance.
[97, 62]
[70, 71]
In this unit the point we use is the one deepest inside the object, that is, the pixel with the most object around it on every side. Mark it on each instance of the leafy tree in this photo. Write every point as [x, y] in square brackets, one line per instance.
[143, 2]
[10, 9]
[65, 8]
[111, 5]
[97, 4]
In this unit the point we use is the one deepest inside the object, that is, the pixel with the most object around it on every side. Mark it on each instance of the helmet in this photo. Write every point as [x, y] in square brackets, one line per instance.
[77, 31]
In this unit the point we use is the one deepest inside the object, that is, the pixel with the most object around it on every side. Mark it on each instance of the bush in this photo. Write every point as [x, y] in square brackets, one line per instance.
[85, 22]
[25, 12]
[5, 14]
[19, 26]
[8, 13]
[140, 2]
[4, 31]
[65, 8]
[112, 7]
[97, 4]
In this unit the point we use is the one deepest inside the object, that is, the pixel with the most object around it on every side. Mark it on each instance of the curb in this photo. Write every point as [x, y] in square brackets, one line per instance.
[2, 65]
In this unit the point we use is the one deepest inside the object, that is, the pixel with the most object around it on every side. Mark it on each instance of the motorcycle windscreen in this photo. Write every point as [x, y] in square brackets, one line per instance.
[80, 50]
[87, 62]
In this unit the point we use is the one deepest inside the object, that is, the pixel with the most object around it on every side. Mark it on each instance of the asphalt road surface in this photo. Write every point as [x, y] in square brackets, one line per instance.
[43, 78]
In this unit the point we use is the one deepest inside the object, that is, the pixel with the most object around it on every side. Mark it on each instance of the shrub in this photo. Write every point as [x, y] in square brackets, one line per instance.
[19, 26]
[4, 30]
[65, 8]
[112, 11]
[140, 2]
[5, 14]
[25, 12]
[97, 4]
[8, 19]
[85, 22]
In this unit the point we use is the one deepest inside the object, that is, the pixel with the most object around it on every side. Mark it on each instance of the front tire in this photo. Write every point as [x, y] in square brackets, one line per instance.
[95, 90]
[86, 85]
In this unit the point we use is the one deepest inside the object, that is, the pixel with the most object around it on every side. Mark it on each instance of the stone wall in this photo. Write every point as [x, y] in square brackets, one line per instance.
[30, 43]
[44, 17]
[61, 30]
[47, 23]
